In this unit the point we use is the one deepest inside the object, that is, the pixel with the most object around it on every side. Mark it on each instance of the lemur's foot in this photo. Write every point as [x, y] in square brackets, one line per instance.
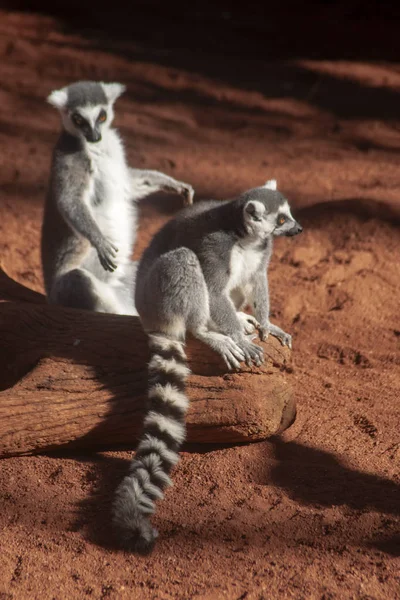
[252, 352]
[248, 322]
[282, 336]
[232, 354]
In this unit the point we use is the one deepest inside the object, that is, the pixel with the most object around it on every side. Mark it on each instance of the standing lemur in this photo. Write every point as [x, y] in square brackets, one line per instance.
[90, 216]
[199, 270]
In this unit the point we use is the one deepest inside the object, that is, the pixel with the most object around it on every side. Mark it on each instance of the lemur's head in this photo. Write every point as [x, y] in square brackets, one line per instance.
[86, 107]
[267, 212]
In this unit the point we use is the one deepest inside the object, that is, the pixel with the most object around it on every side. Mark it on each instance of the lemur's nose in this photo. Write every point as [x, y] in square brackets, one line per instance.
[297, 228]
[93, 135]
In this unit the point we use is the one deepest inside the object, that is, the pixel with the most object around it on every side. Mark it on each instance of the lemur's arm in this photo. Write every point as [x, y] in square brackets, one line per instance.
[259, 302]
[222, 310]
[259, 298]
[73, 204]
[146, 182]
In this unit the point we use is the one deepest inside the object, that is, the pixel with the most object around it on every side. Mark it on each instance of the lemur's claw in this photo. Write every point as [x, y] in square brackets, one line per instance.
[284, 338]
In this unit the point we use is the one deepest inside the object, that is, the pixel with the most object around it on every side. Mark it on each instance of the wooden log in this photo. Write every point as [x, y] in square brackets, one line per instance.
[12, 290]
[79, 379]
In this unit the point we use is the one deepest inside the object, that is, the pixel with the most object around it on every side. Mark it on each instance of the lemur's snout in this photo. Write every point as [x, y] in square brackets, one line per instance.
[93, 136]
[297, 228]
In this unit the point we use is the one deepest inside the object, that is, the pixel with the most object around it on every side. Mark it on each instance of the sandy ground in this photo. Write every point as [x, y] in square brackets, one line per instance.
[315, 513]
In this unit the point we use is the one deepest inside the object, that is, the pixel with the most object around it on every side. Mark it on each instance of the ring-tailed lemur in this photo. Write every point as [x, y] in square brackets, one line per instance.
[198, 271]
[90, 216]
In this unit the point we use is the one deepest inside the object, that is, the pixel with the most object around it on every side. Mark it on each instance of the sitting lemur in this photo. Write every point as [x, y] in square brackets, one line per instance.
[199, 271]
[90, 216]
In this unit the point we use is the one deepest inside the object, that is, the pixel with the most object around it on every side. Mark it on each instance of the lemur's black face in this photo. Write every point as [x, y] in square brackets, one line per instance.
[90, 124]
[86, 107]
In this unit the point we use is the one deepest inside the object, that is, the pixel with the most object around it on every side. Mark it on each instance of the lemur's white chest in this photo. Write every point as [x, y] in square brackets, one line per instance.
[244, 262]
[110, 193]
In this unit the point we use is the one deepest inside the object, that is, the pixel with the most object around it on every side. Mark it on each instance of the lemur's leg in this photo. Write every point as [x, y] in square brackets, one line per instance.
[259, 301]
[78, 288]
[120, 283]
[145, 182]
[239, 299]
[124, 289]
[225, 320]
[174, 299]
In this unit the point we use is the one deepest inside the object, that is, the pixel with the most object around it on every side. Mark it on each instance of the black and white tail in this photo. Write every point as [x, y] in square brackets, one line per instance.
[157, 451]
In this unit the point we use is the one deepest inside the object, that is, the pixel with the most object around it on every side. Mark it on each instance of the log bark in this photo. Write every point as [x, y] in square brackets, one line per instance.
[78, 379]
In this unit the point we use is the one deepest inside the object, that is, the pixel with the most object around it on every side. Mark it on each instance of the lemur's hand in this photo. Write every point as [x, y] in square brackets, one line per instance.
[182, 189]
[284, 338]
[107, 252]
[187, 193]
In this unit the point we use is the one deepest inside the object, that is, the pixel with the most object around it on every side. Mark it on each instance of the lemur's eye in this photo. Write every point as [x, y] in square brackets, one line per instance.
[102, 116]
[281, 219]
[78, 120]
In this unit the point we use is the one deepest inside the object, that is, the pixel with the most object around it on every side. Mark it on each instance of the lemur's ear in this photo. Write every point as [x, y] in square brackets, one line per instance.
[58, 98]
[113, 90]
[254, 210]
[271, 184]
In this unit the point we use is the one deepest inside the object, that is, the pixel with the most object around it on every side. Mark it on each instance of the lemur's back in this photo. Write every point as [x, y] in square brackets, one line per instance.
[190, 229]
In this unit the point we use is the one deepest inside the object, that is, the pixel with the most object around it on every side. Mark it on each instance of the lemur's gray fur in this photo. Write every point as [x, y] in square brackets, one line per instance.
[90, 216]
[198, 271]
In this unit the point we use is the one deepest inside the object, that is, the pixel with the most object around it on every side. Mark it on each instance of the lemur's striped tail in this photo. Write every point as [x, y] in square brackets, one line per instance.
[157, 451]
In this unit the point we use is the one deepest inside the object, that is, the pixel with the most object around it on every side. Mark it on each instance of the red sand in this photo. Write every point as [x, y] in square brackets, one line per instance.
[314, 514]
